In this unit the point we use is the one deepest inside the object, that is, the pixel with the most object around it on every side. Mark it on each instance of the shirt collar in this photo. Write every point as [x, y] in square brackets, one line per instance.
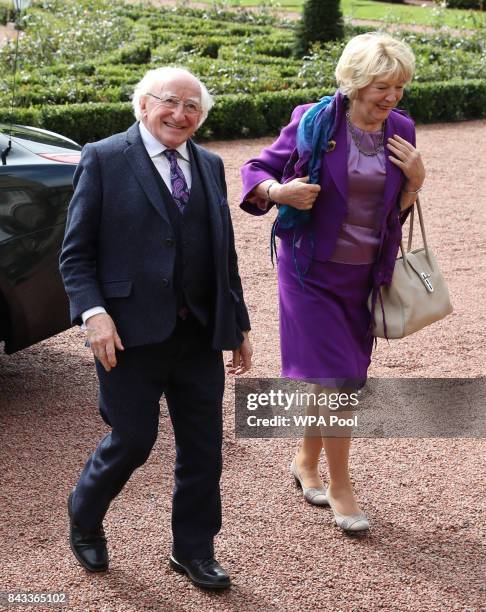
[155, 147]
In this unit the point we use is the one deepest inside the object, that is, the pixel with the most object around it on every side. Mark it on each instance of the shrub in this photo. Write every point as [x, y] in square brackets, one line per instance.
[449, 101]
[321, 22]
[467, 4]
[247, 64]
[22, 116]
[6, 11]
[317, 68]
[239, 115]
[64, 32]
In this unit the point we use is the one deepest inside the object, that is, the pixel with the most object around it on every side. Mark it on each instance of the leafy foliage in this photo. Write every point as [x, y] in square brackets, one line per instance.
[466, 4]
[57, 31]
[6, 11]
[237, 115]
[89, 54]
[321, 22]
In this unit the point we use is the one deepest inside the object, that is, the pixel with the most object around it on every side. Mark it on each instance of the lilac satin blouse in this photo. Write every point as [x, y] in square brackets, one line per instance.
[359, 235]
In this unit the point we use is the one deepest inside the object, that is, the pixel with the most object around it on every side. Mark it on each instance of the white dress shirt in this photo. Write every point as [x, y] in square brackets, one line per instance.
[155, 149]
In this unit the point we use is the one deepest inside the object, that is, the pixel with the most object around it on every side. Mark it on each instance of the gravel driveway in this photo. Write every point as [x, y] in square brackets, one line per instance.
[423, 497]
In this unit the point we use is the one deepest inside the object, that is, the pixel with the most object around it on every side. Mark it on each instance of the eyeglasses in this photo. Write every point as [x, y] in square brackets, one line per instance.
[190, 108]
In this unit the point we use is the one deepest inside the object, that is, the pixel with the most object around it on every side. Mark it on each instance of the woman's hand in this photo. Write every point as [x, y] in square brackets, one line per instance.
[409, 160]
[298, 193]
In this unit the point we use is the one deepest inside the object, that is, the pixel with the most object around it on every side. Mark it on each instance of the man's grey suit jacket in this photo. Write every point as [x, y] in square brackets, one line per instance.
[119, 246]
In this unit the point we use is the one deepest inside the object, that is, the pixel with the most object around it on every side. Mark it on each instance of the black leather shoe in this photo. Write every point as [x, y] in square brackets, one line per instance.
[204, 573]
[89, 547]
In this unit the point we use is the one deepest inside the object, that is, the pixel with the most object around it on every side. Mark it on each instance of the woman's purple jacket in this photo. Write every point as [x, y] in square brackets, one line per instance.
[280, 162]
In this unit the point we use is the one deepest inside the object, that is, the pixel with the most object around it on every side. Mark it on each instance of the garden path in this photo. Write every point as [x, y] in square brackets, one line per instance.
[6, 32]
[423, 496]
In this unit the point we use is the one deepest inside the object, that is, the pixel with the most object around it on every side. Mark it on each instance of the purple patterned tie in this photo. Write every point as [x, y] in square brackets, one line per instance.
[180, 191]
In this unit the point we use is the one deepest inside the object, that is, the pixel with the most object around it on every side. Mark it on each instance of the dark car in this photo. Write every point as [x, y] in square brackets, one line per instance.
[35, 188]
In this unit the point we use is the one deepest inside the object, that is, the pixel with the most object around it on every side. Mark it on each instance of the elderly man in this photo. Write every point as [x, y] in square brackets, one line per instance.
[150, 268]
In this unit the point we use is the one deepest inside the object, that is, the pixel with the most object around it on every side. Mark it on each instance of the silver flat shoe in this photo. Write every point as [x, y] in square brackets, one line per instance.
[315, 496]
[353, 522]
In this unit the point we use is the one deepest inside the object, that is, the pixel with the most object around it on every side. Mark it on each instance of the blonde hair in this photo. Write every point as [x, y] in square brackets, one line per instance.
[373, 55]
[159, 76]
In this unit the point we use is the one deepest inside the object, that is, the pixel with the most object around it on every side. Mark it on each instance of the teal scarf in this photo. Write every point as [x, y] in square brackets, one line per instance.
[313, 133]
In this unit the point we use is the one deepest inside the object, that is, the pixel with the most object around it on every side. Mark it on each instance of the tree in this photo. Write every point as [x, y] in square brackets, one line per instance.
[321, 21]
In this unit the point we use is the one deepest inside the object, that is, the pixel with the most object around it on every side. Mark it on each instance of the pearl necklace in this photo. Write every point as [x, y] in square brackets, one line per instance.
[355, 137]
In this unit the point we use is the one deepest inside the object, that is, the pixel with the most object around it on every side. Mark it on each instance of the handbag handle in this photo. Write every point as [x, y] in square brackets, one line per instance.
[410, 234]
[410, 231]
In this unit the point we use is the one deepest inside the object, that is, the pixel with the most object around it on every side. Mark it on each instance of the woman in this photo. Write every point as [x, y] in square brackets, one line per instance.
[349, 164]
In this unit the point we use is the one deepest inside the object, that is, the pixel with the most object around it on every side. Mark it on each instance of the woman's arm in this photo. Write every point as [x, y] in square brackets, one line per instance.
[297, 193]
[409, 195]
[262, 176]
[269, 166]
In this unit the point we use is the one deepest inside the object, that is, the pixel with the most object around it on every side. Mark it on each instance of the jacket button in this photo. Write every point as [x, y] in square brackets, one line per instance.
[169, 242]
[165, 282]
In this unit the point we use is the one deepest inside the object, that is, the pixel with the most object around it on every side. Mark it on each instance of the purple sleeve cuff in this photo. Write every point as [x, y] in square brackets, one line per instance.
[256, 205]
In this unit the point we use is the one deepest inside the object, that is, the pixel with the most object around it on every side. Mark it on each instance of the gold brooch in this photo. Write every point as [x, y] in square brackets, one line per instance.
[331, 145]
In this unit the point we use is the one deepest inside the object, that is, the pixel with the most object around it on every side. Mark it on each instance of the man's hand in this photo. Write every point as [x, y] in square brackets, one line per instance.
[104, 339]
[241, 361]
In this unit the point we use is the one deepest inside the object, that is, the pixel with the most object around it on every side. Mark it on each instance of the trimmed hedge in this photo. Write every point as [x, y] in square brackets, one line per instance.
[449, 101]
[6, 11]
[78, 79]
[236, 116]
[237, 69]
[137, 51]
[81, 122]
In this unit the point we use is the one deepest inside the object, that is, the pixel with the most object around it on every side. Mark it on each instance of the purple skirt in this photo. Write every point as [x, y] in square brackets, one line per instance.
[324, 321]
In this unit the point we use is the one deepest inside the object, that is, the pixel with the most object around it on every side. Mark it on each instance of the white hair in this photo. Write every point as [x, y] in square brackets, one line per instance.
[158, 77]
[373, 55]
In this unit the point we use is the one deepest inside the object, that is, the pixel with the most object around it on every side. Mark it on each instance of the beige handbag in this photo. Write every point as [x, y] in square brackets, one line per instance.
[417, 295]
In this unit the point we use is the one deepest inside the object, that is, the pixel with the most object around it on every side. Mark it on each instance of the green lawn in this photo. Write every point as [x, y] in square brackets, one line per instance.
[404, 13]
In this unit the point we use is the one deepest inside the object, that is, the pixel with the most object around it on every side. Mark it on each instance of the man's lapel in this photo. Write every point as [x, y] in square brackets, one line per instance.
[140, 162]
[213, 189]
